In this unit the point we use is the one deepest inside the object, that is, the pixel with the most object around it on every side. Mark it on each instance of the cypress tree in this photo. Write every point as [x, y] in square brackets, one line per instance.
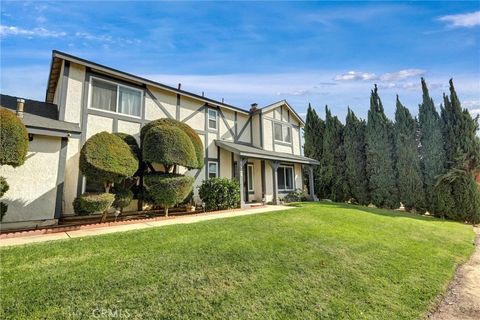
[462, 150]
[438, 198]
[379, 151]
[313, 145]
[333, 159]
[355, 158]
[409, 177]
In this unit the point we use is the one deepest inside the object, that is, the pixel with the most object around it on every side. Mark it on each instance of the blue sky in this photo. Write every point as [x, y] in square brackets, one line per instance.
[319, 52]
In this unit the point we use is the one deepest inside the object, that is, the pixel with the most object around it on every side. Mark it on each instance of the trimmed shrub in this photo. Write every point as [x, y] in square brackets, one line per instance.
[89, 203]
[130, 141]
[13, 139]
[169, 146]
[296, 196]
[220, 193]
[107, 158]
[123, 197]
[167, 190]
[195, 139]
[3, 186]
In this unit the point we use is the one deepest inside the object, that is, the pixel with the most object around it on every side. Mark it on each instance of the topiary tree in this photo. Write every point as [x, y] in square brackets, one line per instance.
[106, 158]
[13, 148]
[168, 189]
[89, 203]
[189, 131]
[123, 197]
[130, 141]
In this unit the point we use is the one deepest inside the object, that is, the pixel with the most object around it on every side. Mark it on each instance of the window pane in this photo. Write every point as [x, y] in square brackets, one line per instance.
[104, 95]
[250, 178]
[287, 134]
[129, 101]
[288, 178]
[212, 170]
[212, 114]
[278, 131]
[212, 124]
[281, 178]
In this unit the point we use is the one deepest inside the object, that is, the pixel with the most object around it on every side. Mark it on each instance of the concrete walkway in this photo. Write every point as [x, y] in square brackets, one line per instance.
[136, 226]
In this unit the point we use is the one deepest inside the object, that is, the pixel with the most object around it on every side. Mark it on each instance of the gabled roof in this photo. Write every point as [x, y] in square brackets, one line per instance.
[253, 152]
[279, 104]
[57, 56]
[41, 117]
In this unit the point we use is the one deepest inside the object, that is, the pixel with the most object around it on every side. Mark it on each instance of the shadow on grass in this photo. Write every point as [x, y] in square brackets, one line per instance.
[377, 211]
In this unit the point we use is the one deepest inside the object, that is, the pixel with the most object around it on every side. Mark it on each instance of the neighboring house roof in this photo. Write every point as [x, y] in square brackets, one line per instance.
[279, 104]
[40, 117]
[57, 56]
[253, 152]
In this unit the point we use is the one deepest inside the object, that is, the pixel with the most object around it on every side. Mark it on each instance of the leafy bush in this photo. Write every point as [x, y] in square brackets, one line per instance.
[89, 203]
[130, 141]
[3, 186]
[195, 139]
[123, 197]
[169, 189]
[107, 158]
[296, 196]
[13, 139]
[169, 146]
[220, 193]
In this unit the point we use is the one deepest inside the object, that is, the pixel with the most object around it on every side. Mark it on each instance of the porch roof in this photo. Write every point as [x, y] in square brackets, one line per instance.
[253, 152]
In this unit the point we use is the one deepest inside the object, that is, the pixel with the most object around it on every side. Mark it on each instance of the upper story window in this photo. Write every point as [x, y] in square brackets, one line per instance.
[212, 119]
[113, 97]
[282, 133]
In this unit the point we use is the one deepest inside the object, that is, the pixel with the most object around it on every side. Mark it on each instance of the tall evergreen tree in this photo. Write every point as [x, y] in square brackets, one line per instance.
[333, 159]
[355, 158]
[313, 145]
[461, 147]
[409, 176]
[438, 199]
[379, 151]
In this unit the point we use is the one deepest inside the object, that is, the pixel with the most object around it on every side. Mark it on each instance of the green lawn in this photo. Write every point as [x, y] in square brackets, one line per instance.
[316, 261]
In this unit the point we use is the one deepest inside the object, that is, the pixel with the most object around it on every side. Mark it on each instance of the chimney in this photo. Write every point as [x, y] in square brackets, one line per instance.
[253, 107]
[20, 105]
[179, 86]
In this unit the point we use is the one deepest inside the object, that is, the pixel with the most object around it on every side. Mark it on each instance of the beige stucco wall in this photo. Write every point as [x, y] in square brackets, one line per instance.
[256, 130]
[226, 134]
[285, 117]
[187, 107]
[167, 99]
[225, 164]
[241, 121]
[96, 124]
[73, 106]
[71, 175]
[132, 128]
[32, 192]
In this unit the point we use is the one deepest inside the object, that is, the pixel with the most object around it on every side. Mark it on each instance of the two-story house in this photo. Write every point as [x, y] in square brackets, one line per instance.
[262, 147]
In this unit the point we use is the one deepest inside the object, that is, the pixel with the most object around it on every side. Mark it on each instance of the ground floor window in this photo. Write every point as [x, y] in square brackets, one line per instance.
[212, 169]
[285, 178]
[250, 178]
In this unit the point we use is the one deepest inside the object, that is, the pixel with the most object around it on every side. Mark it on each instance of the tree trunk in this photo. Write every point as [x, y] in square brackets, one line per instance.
[166, 211]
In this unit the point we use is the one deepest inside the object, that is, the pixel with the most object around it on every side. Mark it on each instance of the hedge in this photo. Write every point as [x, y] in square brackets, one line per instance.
[194, 137]
[123, 197]
[130, 141]
[220, 193]
[13, 139]
[89, 203]
[106, 157]
[168, 145]
[167, 190]
[3, 186]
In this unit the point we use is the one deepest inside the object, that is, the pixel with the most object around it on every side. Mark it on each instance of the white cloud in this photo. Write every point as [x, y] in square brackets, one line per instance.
[467, 20]
[35, 32]
[354, 75]
[402, 74]
[475, 112]
[471, 104]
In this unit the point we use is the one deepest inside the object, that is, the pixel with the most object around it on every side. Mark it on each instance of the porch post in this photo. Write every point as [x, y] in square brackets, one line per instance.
[313, 197]
[241, 163]
[275, 165]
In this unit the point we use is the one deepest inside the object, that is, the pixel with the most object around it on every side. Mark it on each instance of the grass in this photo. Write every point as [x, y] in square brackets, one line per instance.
[319, 260]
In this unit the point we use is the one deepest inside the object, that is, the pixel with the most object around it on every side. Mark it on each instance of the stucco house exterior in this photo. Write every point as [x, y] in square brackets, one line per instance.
[262, 146]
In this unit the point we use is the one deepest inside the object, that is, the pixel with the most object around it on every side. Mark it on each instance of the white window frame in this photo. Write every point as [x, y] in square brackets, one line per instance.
[284, 127]
[90, 90]
[252, 183]
[216, 119]
[208, 169]
[285, 178]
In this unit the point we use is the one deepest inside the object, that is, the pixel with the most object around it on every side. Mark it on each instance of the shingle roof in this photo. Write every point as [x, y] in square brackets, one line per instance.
[249, 151]
[40, 117]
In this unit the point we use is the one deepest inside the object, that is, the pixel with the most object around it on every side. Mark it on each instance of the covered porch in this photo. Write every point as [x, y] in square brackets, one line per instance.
[267, 176]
